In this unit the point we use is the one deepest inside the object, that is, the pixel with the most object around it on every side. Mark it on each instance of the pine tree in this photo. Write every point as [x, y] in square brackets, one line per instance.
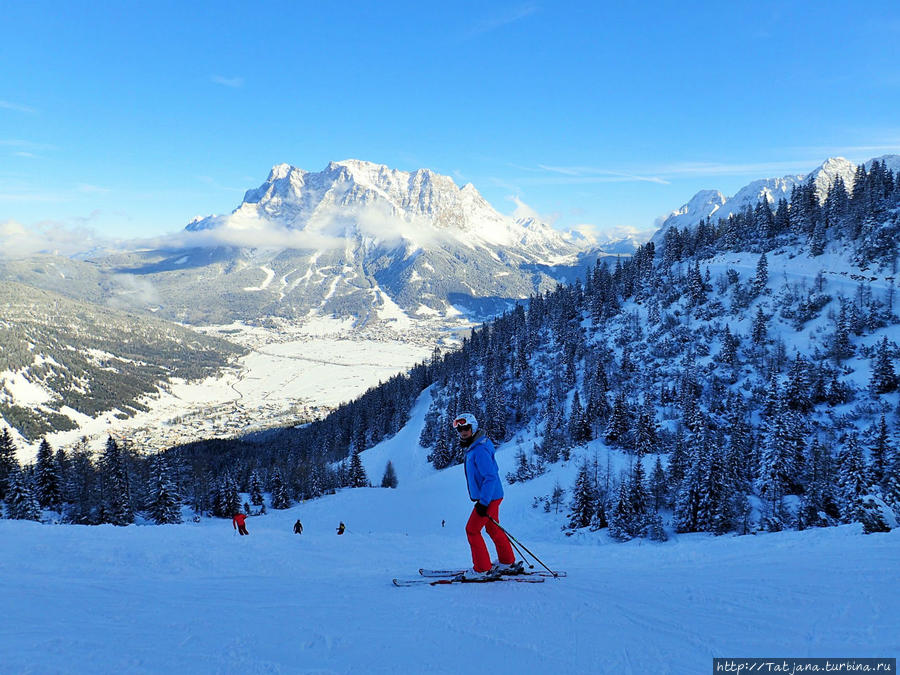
[579, 429]
[775, 464]
[647, 440]
[8, 462]
[556, 497]
[231, 497]
[280, 499]
[852, 478]
[638, 497]
[658, 486]
[21, 502]
[584, 499]
[116, 505]
[696, 289]
[880, 453]
[357, 477]
[841, 347]
[759, 329]
[730, 344]
[622, 517]
[165, 504]
[47, 480]
[619, 422]
[761, 278]
[256, 491]
[389, 480]
[884, 379]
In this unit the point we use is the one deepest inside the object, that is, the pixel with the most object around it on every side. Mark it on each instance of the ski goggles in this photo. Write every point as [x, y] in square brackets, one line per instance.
[461, 422]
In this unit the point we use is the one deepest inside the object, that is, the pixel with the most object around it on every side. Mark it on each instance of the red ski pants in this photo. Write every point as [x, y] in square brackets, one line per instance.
[481, 559]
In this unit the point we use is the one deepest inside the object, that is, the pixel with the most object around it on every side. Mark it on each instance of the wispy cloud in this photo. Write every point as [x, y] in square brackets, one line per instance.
[589, 174]
[22, 153]
[664, 174]
[233, 82]
[500, 20]
[18, 107]
[22, 143]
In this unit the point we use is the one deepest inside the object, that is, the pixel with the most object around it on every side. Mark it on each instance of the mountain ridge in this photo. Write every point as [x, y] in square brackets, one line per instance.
[713, 203]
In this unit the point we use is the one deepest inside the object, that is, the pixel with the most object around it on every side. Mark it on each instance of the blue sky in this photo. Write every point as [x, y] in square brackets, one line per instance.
[128, 119]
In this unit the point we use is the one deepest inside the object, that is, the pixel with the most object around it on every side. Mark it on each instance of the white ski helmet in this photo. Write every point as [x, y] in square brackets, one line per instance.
[464, 419]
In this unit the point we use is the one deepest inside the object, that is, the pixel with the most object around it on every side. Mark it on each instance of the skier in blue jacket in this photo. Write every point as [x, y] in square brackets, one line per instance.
[486, 490]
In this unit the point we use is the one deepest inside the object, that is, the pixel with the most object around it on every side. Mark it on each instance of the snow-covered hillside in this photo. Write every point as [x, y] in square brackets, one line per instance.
[197, 598]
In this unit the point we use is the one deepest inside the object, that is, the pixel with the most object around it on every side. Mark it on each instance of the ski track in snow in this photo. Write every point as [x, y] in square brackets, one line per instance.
[197, 598]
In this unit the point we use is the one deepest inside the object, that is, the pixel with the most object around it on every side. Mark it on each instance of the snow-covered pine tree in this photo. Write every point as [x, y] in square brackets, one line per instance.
[761, 278]
[622, 517]
[554, 437]
[82, 486]
[579, 429]
[280, 498]
[584, 499]
[841, 346]
[619, 420]
[730, 344]
[46, 478]
[8, 462]
[256, 491]
[357, 477]
[116, 505]
[165, 503]
[231, 497]
[21, 502]
[640, 500]
[853, 480]
[647, 441]
[389, 480]
[884, 379]
[759, 330]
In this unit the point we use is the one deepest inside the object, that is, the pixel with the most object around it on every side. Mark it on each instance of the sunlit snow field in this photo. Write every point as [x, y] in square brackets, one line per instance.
[196, 598]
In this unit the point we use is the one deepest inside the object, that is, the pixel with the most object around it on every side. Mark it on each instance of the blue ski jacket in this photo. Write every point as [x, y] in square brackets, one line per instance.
[482, 472]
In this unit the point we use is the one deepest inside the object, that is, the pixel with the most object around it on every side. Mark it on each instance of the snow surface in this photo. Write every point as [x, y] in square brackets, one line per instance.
[196, 598]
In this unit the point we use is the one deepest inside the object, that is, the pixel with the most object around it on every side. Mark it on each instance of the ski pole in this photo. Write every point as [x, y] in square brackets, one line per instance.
[555, 575]
[522, 555]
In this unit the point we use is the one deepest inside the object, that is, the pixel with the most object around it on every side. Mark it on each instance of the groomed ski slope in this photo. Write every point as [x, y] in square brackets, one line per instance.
[195, 598]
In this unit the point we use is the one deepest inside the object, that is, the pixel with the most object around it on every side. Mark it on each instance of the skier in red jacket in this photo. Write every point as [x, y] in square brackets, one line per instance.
[238, 522]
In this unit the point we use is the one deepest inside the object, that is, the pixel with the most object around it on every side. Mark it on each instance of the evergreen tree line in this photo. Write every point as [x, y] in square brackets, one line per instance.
[82, 489]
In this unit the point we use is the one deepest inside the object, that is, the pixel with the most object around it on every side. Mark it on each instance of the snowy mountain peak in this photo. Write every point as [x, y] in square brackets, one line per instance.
[829, 171]
[360, 193]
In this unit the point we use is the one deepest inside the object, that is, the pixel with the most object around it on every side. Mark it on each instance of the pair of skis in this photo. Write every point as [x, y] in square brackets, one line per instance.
[444, 577]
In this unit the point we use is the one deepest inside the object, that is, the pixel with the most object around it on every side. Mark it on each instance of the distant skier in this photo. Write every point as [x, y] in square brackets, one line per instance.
[443, 522]
[486, 490]
[298, 527]
[238, 522]
[341, 528]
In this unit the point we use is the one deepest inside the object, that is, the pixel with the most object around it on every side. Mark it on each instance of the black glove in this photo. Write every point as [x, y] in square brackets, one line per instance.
[481, 509]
